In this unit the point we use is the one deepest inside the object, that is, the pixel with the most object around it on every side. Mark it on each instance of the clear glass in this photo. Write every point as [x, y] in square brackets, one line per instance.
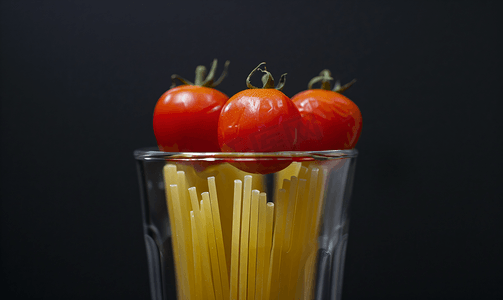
[215, 231]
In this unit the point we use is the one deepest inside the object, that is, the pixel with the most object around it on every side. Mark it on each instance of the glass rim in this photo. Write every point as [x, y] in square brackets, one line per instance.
[154, 154]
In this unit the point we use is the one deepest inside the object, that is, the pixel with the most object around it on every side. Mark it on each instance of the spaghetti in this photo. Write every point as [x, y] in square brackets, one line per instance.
[268, 252]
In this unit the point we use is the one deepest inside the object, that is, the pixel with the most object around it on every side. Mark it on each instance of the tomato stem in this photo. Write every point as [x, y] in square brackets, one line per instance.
[224, 73]
[267, 79]
[325, 77]
[201, 78]
[339, 89]
[182, 80]
[282, 81]
[201, 74]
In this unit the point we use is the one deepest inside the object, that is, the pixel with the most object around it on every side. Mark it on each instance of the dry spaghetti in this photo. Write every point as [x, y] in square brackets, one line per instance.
[232, 243]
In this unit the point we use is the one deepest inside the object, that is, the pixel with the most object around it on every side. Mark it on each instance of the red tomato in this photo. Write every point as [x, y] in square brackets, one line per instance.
[186, 117]
[331, 120]
[259, 120]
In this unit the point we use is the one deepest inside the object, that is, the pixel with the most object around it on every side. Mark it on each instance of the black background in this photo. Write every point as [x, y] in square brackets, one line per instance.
[79, 81]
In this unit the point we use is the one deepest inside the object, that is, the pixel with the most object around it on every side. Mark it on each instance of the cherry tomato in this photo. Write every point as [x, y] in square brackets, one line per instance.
[186, 117]
[331, 120]
[259, 120]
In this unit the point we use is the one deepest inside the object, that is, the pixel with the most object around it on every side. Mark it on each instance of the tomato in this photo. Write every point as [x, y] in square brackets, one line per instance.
[259, 120]
[186, 117]
[331, 120]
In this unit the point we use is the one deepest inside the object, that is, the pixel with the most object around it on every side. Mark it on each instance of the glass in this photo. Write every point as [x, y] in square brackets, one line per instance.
[290, 227]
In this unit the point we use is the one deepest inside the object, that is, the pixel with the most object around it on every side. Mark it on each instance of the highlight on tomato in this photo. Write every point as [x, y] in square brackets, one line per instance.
[186, 116]
[331, 120]
[260, 120]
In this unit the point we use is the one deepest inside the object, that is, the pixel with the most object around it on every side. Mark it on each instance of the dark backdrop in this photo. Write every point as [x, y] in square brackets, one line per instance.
[79, 81]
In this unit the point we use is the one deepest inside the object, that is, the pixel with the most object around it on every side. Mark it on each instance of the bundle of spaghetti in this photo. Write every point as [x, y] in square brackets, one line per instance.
[224, 174]
[269, 250]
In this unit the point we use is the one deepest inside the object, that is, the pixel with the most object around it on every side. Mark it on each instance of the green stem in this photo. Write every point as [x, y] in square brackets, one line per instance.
[177, 77]
[325, 77]
[282, 81]
[200, 75]
[202, 78]
[224, 73]
[211, 75]
[267, 79]
[340, 89]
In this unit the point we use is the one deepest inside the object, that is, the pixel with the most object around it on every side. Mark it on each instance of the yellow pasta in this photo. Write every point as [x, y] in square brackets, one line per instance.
[272, 289]
[311, 208]
[170, 177]
[261, 244]
[224, 179]
[245, 232]
[292, 251]
[194, 201]
[236, 224]
[252, 256]
[319, 202]
[198, 277]
[301, 226]
[292, 170]
[215, 267]
[215, 210]
[180, 234]
[233, 244]
[268, 245]
[290, 212]
[205, 257]
[303, 172]
[185, 218]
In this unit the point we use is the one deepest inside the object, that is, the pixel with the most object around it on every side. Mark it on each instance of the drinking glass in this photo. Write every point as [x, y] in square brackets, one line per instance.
[245, 225]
